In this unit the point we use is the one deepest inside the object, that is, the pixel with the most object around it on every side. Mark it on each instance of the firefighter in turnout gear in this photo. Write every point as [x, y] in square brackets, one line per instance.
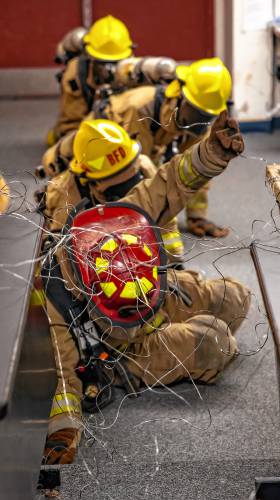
[158, 115]
[167, 325]
[181, 111]
[103, 65]
[106, 165]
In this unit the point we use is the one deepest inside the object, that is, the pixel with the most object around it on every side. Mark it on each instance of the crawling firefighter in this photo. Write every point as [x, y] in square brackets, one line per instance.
[107, 281]
[98, 63]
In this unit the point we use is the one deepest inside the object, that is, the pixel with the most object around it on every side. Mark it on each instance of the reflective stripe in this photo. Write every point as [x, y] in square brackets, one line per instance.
[130, 290]
[147, 250]
[145, 284]
[167, 236]
[173, 241]
[198, 201]
[122, 347]
[134, 289]
[37, 298]
[188, 175]
[155, 272]
[175, 244]
[101, 265]
[129, 238]
[155, 323]
[65, 403]
[108, 288]
[109, 245]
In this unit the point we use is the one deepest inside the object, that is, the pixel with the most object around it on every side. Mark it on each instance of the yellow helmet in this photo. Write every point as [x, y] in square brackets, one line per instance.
[102, 148]
[205, 83]
[108, 40]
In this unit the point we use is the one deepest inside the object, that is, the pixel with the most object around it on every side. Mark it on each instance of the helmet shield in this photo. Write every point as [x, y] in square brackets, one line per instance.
[116, 251]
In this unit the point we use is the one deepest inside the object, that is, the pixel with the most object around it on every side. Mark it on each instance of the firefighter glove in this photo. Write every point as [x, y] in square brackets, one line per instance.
[61, 446]
[224, 143]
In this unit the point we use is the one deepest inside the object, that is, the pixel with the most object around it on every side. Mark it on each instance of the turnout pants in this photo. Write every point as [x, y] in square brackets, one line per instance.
[193, 341]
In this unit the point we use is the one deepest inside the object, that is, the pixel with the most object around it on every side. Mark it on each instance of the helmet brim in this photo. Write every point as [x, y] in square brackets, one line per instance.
[211, 111]
[99, 174]
[107, 57]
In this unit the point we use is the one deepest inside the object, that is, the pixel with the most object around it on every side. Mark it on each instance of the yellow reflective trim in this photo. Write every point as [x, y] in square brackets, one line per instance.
[172, 241]
[182, 173]
[175, 244]
[129, 238]
[108, 288]
[37, 298]
[109, 246]
[146, 284]
[155, 323]
[147, 250]
[167, 236]
[197, 206]
[122, 347]
[155, 273]
[101, 265]
[65, 403]
[199, 201]
[188, 175]
[130, 290]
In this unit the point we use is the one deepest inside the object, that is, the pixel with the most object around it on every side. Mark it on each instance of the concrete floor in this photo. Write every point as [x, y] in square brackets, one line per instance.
[212, 442]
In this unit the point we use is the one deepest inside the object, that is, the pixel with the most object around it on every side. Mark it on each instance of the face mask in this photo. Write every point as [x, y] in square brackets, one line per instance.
[104, 72]
[192, 119]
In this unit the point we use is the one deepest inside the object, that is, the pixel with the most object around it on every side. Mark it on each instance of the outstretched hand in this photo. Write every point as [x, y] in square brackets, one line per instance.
[225, 138]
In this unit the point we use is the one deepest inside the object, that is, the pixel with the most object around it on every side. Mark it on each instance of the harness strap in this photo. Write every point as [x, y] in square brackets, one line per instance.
[61, 298]
[114, 193]
[88, 92]
[159, 98]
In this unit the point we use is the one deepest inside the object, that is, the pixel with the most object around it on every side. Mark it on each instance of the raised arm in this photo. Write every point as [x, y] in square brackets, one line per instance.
[165, 195]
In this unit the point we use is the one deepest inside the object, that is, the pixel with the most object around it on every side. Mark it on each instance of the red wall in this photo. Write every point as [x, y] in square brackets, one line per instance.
[182, 29]
[30, 29]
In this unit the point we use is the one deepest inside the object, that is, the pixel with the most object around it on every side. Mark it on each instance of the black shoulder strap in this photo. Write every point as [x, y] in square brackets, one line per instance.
[88, 92]
[159, 98]
[82, 188]
[61, 298]
[100, 106]
[114, 193]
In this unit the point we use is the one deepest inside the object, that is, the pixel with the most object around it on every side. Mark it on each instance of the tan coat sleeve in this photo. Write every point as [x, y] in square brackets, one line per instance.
[60, 152]
[147, 167]
[166, 193]
[197, 205]
[73, 107]
[62, 196]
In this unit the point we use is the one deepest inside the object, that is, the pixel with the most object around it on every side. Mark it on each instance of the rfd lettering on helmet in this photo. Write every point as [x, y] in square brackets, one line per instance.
[116, 156]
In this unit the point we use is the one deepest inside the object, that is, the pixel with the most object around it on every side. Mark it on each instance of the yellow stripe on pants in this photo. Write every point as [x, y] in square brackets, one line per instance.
[65, 403]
